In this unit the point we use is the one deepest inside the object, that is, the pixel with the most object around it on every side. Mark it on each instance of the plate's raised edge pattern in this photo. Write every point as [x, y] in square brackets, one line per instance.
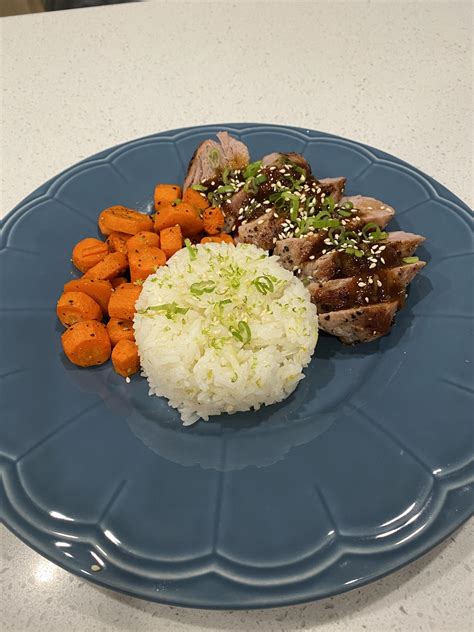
[231, 570]
[300, 570]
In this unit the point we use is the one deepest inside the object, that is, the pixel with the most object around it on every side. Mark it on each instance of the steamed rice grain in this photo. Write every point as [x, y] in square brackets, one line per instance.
[223, 329]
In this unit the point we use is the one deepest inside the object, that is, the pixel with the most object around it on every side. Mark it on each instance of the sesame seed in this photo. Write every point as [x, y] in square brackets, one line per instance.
[274, 240]
[268, 210]
[382, 260]
[372, 265]
[324, 251]
[266, 202]
[382, 248]
[244, 222]
[127, 379]
[260, 221]
[361, 284]
[366, 299]
[312, 257]
[379, 283]
[318, 190]
[275, 215]
[299, 271]
[371, 280]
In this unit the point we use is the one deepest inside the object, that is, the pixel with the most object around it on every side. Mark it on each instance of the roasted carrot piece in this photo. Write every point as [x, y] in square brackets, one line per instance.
[142, 239]
[100, 291]
[165, 194]
[120, 329]
[213, 219]
[123, 220]
[171, 240]
[217, 239]
[196, 199]
[183, 215]
[87, 343]
[117, 242]
[125, 358]
[144, 262]
[110, 267]
[88, 252]
[117, 281]
[74, 307]
[122, 302]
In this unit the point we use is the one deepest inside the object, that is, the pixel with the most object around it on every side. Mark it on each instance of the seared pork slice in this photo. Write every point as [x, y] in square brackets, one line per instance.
[261, 231]
[359, 324]
[294, 251]
[231, 208]
[278, 159]
[211, 158]
[404, 243]
[387, 284]
[333, 187]
[370, 209]
[337, 264]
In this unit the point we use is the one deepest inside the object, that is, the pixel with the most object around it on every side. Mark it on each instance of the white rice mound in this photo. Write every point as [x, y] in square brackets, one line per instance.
[223, 328]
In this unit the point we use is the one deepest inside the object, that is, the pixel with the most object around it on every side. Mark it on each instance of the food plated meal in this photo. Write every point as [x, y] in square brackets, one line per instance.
[216, 295]
[368, 433]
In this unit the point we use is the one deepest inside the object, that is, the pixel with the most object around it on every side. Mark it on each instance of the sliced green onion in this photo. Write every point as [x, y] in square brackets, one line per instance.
[198, 187]
[260, 178]
[171, 309]
[324, 223]
[295, 205]
[225, 188]
[225, 176]
[328, 204]
[176, 202]
[347, 206]
[264, 284]
[335, 231]
[372, 231]
[214, 157]
[343, 213]
[192, 250]
[241, 332]
[250, 186]
[201, 287]
[251, 170]
[220, 304]
[410, 259]
[349, 235]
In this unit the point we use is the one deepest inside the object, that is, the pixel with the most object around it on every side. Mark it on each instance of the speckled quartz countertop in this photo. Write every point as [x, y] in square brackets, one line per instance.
[390, 74]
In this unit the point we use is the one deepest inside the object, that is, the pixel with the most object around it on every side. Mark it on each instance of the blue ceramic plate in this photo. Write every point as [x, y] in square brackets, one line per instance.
[365, 467]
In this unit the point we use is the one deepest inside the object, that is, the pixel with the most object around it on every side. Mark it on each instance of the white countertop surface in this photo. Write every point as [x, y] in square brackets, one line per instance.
[390, 74]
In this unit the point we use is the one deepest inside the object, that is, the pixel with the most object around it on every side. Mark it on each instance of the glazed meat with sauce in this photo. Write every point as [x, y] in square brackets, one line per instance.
[211, 158]
[357, 274]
